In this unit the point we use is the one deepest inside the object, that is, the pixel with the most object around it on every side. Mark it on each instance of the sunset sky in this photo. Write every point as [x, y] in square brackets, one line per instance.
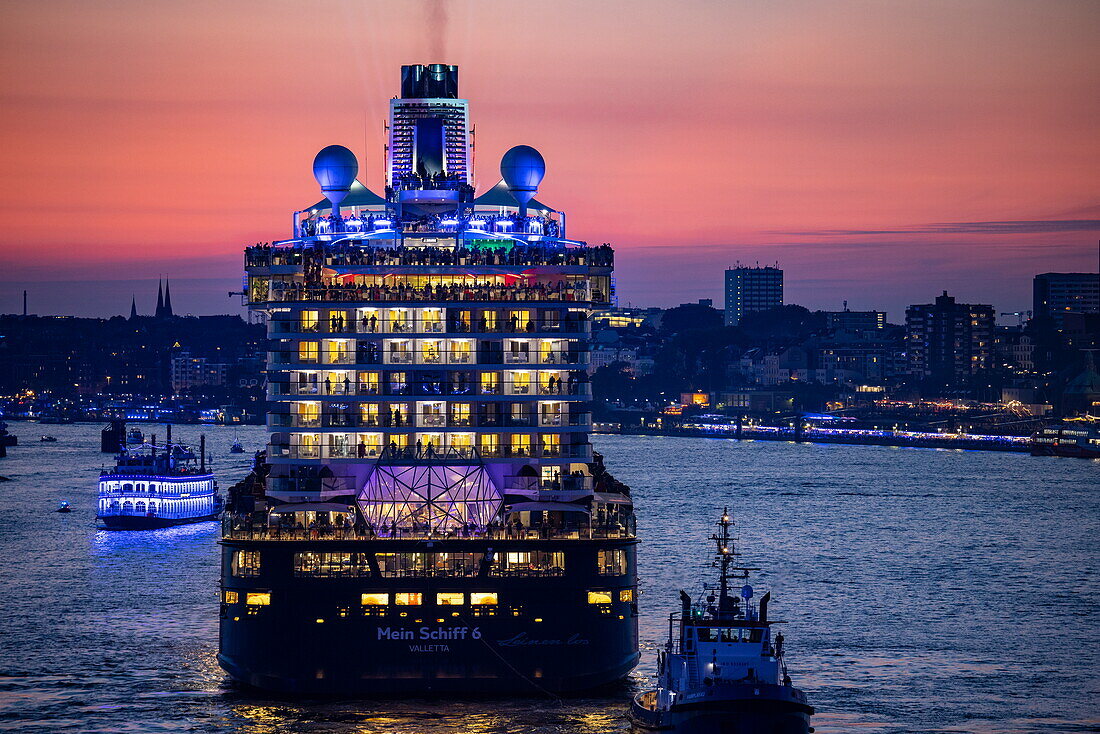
[879, 151]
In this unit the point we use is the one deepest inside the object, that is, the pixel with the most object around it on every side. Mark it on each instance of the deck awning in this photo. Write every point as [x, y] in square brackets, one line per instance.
[499, 195]
[312, 507]
[359, 195]
[611, 498]
[547, 507]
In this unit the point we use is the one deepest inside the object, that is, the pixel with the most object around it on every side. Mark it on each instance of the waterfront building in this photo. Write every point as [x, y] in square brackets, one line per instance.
[855, 320]
[189, 372]
[1056, 294]
[949, 341]
[431, 516]
[626, 317]
[750, 289]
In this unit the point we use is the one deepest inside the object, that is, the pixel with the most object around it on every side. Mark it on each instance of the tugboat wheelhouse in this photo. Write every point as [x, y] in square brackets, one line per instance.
[429, 491]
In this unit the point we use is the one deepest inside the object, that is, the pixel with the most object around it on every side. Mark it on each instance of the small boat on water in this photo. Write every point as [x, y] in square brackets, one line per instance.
[63, 507]
[47, 439]
[155, 486]
[135, 436]
[722, 670]
[236, 448]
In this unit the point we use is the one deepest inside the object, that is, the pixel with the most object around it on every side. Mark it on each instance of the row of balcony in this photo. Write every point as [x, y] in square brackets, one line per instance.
[344, 255]
[427, 389]
[434, 356]
[430, 420]
[374, 325]
[428, 452]
[283, 292]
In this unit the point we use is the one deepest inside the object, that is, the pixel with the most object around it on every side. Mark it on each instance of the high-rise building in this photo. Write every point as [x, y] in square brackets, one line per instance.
[1056, 294]
[752, 289]
[948, 341]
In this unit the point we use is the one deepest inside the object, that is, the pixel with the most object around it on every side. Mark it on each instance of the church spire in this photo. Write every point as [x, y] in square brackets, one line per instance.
[133, 307]
[159, 313]
[167, 299]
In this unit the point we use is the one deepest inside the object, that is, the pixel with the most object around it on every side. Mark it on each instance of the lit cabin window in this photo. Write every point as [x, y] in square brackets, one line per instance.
[626, 595]
[483, 597]
[375, 600]
[231, 597]
[599, 597]
[246, 563]
[408, 598]
[258, 598]
[611, 563]
[450, 598]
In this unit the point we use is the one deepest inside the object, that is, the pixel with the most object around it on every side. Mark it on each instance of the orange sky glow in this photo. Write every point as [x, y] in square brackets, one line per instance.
[879, 151]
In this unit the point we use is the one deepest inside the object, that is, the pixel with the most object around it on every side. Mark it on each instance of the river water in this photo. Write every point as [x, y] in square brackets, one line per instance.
[923, 590]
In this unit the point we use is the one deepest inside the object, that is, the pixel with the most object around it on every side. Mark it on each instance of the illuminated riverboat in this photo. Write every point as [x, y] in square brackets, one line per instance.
[430, 516]
[722, 669]
[155, 486]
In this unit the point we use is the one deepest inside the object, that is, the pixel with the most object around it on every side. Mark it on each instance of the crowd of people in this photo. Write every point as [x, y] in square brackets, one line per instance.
[357, 224]
[346, 254]
[333, 290]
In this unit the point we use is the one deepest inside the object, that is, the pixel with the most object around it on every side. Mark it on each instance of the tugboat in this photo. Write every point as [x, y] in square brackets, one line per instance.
[722, 670]
[158, 486]
[134, 435]
[236, 448]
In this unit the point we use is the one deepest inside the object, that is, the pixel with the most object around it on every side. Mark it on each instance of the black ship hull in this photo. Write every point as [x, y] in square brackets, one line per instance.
[316, 638]
[740, 708]
[142, 522]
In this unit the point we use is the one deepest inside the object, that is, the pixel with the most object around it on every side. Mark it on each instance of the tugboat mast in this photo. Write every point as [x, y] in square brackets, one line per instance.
[723, 560]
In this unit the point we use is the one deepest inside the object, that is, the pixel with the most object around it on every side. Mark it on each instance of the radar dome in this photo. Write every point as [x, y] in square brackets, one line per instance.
[746, 592]
[523, 168]
[335, 168]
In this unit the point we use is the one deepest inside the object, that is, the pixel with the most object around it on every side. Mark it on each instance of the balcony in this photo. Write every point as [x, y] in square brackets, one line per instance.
[345, 255]
[560, 291]
[428, 452]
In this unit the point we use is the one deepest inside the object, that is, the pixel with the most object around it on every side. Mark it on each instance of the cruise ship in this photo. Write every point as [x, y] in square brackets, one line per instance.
[430, 517]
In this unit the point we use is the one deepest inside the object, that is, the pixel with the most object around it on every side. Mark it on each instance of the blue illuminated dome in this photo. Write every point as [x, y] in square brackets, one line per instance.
[523, 169]
[335, 168]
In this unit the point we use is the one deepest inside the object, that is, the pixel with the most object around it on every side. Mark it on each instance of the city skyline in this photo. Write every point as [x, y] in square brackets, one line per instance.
[879, 157]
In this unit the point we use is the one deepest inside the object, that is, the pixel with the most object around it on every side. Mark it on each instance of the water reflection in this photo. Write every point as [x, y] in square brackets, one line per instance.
[428, 716]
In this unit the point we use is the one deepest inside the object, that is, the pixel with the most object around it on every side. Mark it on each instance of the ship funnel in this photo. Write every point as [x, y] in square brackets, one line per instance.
[202, 453]
[685, 602]
[335, 169]
[523, 169]
[764, 606]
